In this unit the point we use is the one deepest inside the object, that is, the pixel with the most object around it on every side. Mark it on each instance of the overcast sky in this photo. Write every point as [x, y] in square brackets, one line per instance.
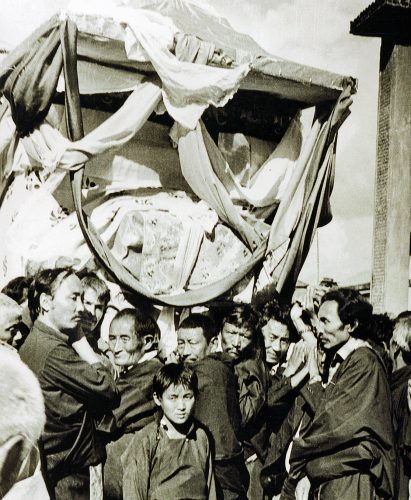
[316, 33]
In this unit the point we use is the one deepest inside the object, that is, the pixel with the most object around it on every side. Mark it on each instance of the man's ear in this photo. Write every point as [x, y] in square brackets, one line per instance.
[157, 400]
[11, 458]
[45, 302]
[213, 345]
[148, 343]
[352, 327]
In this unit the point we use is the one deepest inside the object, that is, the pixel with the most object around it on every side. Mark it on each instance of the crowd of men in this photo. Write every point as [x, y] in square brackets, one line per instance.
[309, 400]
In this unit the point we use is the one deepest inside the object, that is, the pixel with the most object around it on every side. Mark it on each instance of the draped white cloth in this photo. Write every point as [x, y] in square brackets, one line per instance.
[187, 89]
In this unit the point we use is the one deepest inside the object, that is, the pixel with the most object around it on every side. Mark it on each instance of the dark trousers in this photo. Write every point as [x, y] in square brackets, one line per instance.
[231, 478]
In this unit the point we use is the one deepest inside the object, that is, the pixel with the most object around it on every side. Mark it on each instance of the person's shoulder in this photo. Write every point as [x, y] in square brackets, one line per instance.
[202, 434]
[251, 366]
[366, 359]
[147, 433]
[219, 360]
[152, 364]
[147, 367]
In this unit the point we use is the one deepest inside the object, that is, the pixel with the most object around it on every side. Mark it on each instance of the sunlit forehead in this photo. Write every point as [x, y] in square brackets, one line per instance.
[276, 330]
[230, 329]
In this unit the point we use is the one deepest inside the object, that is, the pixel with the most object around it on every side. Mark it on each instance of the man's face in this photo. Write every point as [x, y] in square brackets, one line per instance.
[235, 340]
[332, 333]
[10, 327]
[276, 341]
[123, 343]
[94, 309]
[192, 345]
[177, 403]
[66, 307]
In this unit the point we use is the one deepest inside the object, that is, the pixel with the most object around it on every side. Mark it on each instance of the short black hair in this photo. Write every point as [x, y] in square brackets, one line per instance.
[244, 316]
[45, 281]
[241, 316]
[352, 307]
[16, 288]
[197, 320]
[279, 311]
[142, 323]
[381, 329]
[175, 374]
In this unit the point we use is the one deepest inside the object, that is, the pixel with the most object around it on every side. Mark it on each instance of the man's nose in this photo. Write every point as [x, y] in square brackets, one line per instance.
[237, 340]
[79, 305]
[275, 344]
[181, 404]
[117, 345]
[187, 350]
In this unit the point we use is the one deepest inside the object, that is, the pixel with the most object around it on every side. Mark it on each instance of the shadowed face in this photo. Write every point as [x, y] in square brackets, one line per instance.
[332, 333]
[276, 341]
[94, 309]
[234, 340]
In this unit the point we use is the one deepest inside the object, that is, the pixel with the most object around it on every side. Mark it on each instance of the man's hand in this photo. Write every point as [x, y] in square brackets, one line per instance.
[302, 490]
[85, 352]
[313, 364]
[296, 312]
[297, 359]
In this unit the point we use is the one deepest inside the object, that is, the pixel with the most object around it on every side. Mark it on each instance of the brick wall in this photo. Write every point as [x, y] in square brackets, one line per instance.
[381, 185]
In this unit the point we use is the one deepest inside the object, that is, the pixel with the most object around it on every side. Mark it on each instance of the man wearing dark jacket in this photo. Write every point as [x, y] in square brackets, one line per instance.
[347, 450]
[76, 384]
[217, 406]
[131, 336]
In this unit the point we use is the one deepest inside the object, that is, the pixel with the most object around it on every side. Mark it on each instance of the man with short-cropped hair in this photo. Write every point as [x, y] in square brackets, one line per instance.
[400, 354]
[217, 405]
[242, 340]
[346, 451]
[75, 383]
[22, 421]
[10, 321]
[132, 334]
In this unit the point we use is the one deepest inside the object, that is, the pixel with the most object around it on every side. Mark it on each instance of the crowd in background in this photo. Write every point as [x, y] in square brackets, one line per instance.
[259, 401]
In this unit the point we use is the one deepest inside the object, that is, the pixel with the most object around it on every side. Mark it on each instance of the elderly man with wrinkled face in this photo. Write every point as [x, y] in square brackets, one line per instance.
[132, 334]
[75, 383]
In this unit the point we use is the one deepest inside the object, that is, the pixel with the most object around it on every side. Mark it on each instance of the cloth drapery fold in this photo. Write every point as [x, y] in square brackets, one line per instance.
[304, 198]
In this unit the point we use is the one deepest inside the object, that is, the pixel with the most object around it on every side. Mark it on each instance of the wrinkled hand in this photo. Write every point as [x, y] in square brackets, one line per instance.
[313, 362]
[297, 359]
[302, 490]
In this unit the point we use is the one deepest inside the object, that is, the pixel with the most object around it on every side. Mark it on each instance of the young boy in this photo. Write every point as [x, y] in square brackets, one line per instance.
[170, 458]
